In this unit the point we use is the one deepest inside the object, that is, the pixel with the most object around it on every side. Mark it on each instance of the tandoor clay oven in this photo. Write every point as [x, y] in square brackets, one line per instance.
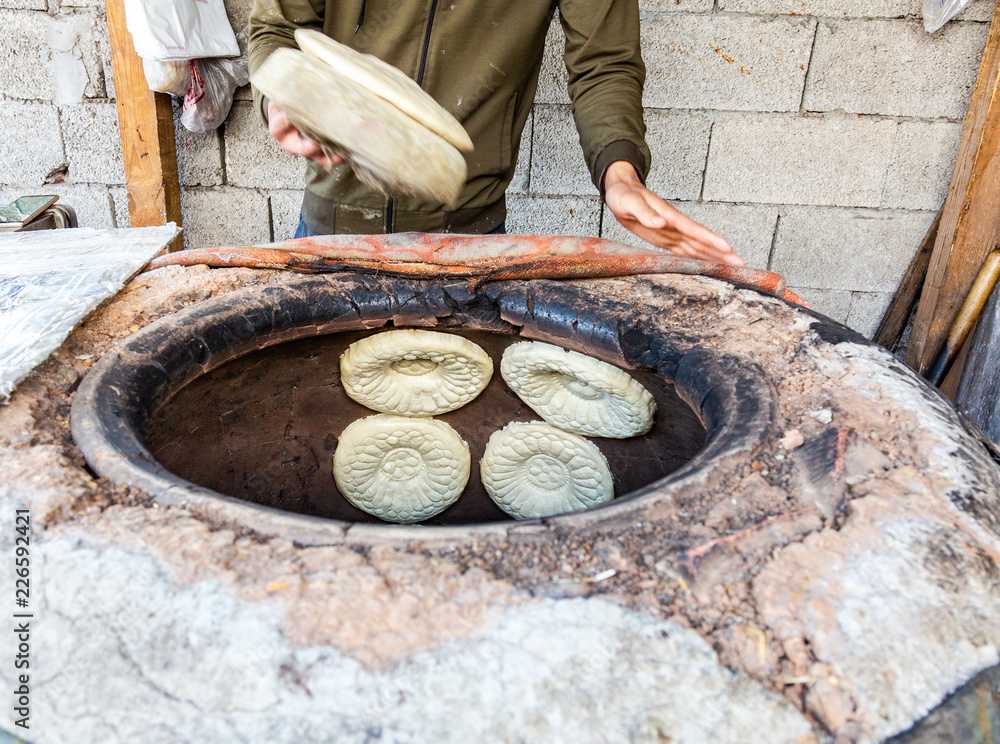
[805, 547]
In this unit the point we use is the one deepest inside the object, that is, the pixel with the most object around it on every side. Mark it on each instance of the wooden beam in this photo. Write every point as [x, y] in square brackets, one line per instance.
[146, 122]
[895, 317]
[970, 219]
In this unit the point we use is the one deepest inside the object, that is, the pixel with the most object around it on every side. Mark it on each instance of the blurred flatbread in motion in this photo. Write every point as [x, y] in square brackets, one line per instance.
[389, 150]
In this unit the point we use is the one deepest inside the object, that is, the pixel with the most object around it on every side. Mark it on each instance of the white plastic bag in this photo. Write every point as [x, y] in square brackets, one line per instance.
[212, 84]
[167, 77]
[939, 12]
[177, 30]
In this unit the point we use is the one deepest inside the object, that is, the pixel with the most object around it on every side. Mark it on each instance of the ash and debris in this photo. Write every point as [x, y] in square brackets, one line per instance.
[730, 556]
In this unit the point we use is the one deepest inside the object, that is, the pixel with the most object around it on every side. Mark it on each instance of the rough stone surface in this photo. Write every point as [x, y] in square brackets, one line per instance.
[210, 217]
[553, 215]
[758, 617]
[748, 228]
[253, 158]
[894, 68]
[725, 62]
[834, 160]
[29, 166]
[92, 140]
[847, 249]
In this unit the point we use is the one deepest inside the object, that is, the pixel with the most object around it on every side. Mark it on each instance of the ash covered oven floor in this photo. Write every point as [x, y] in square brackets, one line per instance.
[838, 580]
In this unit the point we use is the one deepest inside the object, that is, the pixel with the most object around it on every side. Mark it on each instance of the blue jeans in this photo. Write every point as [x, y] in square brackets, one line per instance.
[304, 231]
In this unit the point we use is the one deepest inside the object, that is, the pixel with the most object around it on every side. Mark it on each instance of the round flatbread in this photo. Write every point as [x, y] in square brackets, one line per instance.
[401, 470]
[576, 392]
[385, 81]
[389, 150]
[536, 470]
[412, 372]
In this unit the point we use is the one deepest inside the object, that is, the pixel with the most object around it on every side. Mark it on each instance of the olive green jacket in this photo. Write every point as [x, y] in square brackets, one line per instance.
[480, 60]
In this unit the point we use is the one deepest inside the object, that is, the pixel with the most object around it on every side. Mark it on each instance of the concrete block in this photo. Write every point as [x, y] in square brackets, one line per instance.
[833, 303]
[552, 78]
[253, 158]
[979, 10]
[119, 203]
[522, 170]
[867, 309]
[922, 160]
[104, 57]
[553, 215]
[557, 164]
[93, 143]
[75, 64]
[678, 143]
[23, 164]
[835, 160]
[92, 204]
[749, 228]
[846, 249]
[199, 156]
[24, 72]
[224, 216]
[735, 63]
[285, 208]
[894, 68]
[24, 4]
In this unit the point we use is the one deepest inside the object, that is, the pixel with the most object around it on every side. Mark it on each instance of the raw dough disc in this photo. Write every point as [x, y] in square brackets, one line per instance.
[414, 373]
[385, 81]
[400, 469]
[536, 470]
[576, 392]
[388, 150]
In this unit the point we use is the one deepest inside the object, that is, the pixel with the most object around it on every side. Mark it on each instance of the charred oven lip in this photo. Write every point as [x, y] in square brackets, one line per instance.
[735, 400]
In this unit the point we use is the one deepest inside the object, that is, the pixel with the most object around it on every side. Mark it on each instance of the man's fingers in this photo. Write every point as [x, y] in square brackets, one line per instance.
[292, 141]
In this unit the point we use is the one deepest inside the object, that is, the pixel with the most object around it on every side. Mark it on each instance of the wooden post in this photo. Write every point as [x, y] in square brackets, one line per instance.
[898, 313]
[146, 122]
[970, 219]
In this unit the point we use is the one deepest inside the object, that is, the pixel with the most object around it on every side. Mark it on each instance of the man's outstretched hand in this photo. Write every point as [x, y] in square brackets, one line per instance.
[642, 212]
[292, 140]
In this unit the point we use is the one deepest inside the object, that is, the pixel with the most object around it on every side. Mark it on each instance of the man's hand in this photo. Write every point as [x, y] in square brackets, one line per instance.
[292, 140]
[642, 212]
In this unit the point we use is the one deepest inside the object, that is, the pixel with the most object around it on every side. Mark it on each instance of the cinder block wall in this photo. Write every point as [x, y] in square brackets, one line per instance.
[817, 136]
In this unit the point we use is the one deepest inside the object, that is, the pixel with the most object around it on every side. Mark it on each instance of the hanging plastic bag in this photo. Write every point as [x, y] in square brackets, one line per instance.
[179, 30]
[939, 12]
[212, 84]
[167, 77]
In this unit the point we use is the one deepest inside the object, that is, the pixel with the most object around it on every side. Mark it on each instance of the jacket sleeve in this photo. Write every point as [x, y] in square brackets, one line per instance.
[606, 75]
[272, 25]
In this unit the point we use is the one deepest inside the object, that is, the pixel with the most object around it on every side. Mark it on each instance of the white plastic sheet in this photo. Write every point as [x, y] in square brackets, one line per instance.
[175, 30]
[50, 280]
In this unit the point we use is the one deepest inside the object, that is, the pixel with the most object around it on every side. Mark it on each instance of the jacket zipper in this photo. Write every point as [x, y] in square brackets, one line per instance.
[420, 82]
